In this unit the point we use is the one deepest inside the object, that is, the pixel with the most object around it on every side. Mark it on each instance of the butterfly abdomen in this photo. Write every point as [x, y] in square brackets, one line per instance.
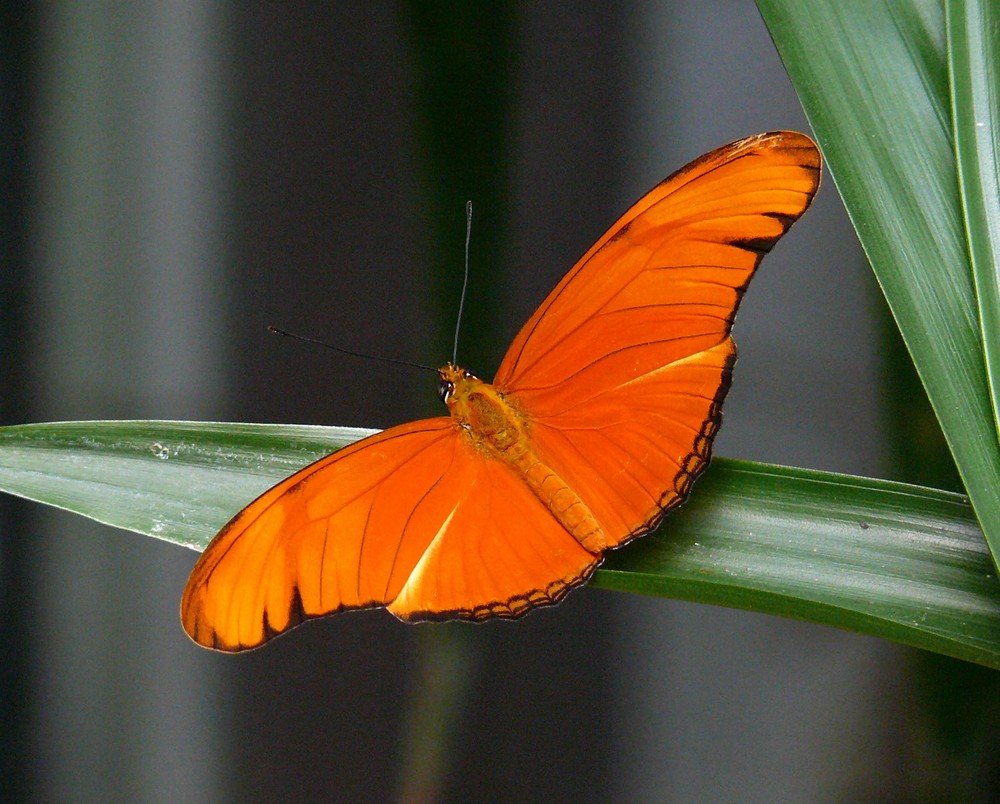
[564, 503]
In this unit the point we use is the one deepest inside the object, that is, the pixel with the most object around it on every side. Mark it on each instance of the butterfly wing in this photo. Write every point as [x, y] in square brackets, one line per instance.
[413, 518]
[623, 368]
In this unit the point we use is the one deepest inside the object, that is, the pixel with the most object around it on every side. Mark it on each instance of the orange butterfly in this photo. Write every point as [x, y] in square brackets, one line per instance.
[600, 418]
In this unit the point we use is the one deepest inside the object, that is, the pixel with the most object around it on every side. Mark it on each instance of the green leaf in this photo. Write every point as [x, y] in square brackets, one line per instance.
[974, 69]
[873, 79]
[178, 481]
[888, 559]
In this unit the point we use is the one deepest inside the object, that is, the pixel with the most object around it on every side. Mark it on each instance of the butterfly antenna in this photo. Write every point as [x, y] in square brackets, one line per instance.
[465, 281]
[396, 360]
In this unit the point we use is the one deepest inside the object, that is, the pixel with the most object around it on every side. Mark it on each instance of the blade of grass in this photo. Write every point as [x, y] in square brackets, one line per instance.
[974, 69]
[873, 80]
[887, 559]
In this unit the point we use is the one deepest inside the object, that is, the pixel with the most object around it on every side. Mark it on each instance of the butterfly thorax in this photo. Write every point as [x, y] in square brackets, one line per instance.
[479, 408]
[498, 429]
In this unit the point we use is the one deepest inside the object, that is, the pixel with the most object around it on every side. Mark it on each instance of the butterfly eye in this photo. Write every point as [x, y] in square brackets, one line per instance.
[445, 389]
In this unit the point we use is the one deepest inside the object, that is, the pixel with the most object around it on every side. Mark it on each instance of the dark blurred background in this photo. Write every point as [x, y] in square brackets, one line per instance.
[177, 176]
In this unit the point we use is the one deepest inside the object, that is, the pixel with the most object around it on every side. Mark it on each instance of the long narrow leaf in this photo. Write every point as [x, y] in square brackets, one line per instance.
[178, 481]
[873, 79]
[897, 561]
[974, 69]
[902, 562]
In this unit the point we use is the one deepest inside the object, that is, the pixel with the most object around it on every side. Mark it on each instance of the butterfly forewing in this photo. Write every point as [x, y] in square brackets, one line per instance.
[338, 534]
[687, 248]
[411, 518]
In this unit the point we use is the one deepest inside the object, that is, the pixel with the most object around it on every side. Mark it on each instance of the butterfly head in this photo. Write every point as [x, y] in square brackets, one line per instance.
[453, 378]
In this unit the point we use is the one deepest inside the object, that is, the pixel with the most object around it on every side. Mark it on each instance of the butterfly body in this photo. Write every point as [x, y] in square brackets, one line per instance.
[499, 431]
[599, 420]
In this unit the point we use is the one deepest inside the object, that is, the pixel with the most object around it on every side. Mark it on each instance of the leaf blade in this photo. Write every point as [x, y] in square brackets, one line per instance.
[886, 559]
[774, 539]
[872, 78]
[174, 480]
[974, 71]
